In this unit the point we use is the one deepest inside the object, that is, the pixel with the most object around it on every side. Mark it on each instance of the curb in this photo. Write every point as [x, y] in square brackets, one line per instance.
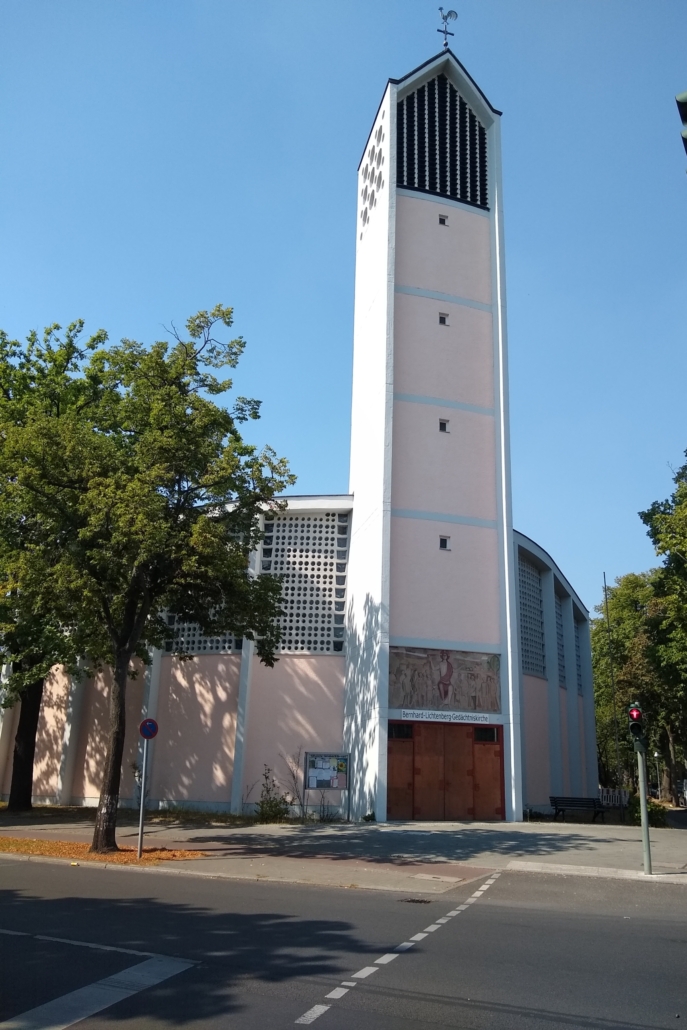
[600, 872]
[166, 870]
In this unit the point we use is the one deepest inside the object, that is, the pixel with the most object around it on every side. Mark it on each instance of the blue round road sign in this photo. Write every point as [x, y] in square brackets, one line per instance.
[148, 729]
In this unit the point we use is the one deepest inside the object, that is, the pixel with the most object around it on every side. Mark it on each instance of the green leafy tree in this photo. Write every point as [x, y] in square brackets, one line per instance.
[38, 377]
[144, 502]
[649, 651]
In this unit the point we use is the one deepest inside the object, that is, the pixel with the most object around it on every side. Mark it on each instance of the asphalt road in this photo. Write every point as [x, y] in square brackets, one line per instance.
[530, 951]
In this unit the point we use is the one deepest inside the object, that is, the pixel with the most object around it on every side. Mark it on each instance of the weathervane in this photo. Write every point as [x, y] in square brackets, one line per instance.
[446, 18]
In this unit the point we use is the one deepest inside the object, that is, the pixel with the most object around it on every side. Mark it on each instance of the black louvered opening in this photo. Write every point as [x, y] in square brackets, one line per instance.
[474, 165]
[410, 178]
[483, 191]
[442, 135]
[432, 137]
[421, 148]
[463, 150]
[454, 184]
[442, 145]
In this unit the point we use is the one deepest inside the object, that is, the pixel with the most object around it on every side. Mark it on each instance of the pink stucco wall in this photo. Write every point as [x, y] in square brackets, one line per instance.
[92, 742]
[50, 735]
[298, 703]
[461, 353]
[443, 472]
[194, 750]
[453, 259]
[565, 749]
[444, 595]
[535, 718]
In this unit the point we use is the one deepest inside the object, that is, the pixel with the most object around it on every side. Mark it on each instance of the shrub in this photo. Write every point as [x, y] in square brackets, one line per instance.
[272, 807]
[657, 813]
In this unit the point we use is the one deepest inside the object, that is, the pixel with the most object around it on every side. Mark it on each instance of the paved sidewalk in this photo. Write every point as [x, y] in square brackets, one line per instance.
[422, 858]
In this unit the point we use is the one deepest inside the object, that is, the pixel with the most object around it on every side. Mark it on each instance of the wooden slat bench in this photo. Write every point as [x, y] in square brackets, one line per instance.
[572, 804]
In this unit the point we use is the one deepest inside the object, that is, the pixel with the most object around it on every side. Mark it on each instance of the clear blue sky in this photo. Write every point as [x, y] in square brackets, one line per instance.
[159, 156]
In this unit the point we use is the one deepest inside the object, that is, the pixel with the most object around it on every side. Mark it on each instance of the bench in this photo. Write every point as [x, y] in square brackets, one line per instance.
[565, 804]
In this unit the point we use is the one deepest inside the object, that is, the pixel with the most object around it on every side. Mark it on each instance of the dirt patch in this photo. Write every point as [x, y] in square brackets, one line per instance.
[80, 853]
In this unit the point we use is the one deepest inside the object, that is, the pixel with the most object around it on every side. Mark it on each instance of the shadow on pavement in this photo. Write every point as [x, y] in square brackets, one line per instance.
[402, 846]
[229, 946]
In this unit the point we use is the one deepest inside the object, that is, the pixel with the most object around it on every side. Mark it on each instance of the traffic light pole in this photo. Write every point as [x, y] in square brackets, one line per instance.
[643, 807]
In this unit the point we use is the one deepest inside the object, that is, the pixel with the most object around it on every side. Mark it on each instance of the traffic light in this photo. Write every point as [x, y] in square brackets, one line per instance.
[681, 100]
[635, 718]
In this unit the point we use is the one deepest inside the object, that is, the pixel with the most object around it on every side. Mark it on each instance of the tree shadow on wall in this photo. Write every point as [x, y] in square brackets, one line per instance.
[228, 946]
[361, 715]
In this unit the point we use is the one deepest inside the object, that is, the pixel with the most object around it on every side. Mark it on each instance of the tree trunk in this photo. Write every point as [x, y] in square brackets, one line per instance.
[106, 817]
[25, 748]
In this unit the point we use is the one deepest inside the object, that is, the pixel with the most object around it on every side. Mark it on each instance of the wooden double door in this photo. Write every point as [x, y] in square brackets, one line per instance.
[441, 771]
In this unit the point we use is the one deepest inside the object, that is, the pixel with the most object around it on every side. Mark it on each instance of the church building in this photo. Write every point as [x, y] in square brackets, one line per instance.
[435, 664]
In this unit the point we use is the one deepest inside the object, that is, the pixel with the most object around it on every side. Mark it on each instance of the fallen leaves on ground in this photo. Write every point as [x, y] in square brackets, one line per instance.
[79, 852]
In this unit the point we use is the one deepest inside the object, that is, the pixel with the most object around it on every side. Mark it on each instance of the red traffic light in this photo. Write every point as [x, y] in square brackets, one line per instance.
[635, 714]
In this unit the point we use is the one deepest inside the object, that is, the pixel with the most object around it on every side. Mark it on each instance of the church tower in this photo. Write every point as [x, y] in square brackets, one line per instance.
[431, 630]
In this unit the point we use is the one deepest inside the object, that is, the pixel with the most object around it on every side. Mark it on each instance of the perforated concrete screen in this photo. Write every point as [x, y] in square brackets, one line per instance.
[531, 619]
[560, 642]
[188, 637]
[309, 552]
[578, 656]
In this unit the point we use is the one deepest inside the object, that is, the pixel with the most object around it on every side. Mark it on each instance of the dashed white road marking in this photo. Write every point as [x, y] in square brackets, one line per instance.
[78, 1005]
[366, 971]
[311, 1015]
[317, 1010]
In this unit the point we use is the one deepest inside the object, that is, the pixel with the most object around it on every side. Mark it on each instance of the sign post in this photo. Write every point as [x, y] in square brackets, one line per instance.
[148, 730]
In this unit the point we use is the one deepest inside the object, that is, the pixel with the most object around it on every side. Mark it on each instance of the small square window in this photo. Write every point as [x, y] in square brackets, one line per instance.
[444, 543]
[443, 425]
[443, 319]
[443, 219]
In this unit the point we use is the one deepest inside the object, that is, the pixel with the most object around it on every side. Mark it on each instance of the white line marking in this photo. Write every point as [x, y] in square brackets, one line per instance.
[405, 946]
[338, 992]
[461, 908]
[97, 947]
[455, 912]
[385, 959]
[15, 933]
[444, 919]
[432, 928]
[419, 937]
[70, 1008]
[311, 1015]
[366, 971]
[348, 983]
[470, 901]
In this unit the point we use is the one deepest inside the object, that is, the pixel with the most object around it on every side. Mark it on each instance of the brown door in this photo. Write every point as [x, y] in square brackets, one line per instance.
[400, 779]
[459, 772]
[488, 781]
[428, 801]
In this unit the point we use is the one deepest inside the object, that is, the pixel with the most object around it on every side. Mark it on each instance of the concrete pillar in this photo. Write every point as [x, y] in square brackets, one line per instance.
[70, 738]
[551, 656]
[241, 724]
[575, 770]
